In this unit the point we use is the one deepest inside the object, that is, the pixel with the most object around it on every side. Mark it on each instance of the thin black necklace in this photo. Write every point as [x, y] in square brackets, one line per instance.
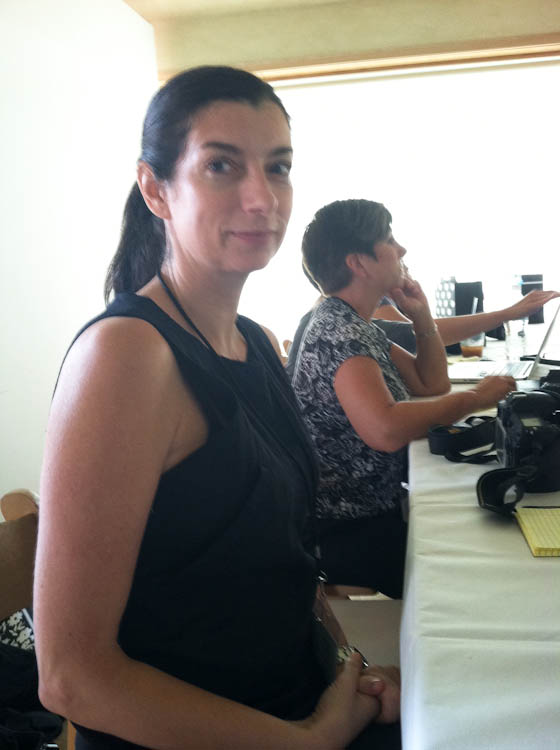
[180, 308]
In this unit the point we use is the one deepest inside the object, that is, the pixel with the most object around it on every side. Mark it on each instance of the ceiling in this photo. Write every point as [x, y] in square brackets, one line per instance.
[156, 10]
[279, 38]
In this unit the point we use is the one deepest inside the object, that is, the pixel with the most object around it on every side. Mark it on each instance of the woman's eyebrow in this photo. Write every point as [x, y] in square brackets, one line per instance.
[222, 146]
[282, 151]
[229, 147]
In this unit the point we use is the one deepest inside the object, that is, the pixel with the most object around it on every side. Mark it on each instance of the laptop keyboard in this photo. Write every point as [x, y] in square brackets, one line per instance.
[515, 369]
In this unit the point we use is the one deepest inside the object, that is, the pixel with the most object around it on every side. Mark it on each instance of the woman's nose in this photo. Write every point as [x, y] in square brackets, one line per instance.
[257, 193]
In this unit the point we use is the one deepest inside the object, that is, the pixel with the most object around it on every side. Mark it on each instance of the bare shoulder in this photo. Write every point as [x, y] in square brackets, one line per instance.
[121, 342]
[274, 341]
[122, 371]
[120, 354]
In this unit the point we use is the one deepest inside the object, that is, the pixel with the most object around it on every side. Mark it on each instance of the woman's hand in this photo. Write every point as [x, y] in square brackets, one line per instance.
[385, 684]
[345, 708]
[529, 304]
[492, 389]
[412, 301]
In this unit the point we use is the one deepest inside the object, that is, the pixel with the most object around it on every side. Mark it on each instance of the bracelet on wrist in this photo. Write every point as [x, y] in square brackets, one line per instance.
[343, 653]
[426, 334]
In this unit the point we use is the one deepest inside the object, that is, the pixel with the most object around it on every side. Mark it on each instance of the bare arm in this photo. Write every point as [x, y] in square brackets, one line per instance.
[456, 328]
[426, 372]
[387, 425]
[115, 426]
[421, 377]
[460, 327]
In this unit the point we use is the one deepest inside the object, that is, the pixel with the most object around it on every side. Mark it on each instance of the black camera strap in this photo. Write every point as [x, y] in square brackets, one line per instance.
[537, 472]
[494, 487]
[457, 440]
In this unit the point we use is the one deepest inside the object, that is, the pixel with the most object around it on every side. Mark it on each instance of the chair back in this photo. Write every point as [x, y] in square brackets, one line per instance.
[18, 539]
[18, 503]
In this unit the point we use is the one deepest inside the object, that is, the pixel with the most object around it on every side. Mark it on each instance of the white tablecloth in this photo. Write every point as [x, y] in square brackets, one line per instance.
[480, 634]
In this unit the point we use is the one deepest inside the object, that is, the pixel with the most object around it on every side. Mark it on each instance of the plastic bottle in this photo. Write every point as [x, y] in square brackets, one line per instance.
[516, 340]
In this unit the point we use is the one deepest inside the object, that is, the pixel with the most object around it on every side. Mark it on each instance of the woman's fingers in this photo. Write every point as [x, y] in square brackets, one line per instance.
[343, 710]
[371, 685]
[385, 684]
[531, 302]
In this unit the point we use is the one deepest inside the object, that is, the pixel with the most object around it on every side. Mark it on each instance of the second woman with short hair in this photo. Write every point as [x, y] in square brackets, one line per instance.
[354, 386]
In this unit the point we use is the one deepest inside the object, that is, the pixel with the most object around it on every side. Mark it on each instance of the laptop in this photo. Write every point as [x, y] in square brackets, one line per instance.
[473, 372]
[549, 353]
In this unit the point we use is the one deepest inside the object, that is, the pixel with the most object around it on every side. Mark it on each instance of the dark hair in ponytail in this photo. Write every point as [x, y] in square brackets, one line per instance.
[167, 123]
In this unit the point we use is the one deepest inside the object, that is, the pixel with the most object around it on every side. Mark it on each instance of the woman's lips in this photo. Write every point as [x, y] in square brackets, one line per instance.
[253, 236]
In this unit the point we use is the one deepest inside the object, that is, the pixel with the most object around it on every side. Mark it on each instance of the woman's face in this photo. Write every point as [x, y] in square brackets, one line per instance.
[230, 198]
[389, 266]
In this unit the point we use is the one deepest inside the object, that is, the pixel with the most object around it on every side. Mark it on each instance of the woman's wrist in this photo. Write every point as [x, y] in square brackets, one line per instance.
[424, 326]
[473, 402]
[511, 313]
[307, 735]
[426, 334]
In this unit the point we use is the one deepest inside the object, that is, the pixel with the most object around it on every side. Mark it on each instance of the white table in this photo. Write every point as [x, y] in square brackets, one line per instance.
[480, 633]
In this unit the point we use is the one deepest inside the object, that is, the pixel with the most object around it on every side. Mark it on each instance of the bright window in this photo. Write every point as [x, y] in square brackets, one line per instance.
[467, 161]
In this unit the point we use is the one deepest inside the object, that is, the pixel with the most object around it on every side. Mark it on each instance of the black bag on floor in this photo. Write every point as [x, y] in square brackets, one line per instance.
[24, 723]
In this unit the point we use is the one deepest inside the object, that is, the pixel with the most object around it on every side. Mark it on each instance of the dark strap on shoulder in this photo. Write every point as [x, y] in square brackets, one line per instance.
[263, 349]
[128, 305]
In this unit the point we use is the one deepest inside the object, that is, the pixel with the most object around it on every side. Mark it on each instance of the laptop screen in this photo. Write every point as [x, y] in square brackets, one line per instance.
[549, 352]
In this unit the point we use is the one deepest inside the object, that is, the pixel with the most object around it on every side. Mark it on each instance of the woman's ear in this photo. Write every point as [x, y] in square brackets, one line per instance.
[153, 191]
[354, 263]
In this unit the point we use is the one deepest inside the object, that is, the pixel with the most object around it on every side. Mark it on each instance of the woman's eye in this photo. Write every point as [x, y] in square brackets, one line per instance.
[281, 168]
[219, 166]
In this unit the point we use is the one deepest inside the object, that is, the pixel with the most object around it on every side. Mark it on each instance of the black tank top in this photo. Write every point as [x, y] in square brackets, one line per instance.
[225, 579]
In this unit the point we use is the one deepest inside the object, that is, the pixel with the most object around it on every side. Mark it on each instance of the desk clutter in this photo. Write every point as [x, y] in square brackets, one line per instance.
[525, 439]
[525, 436]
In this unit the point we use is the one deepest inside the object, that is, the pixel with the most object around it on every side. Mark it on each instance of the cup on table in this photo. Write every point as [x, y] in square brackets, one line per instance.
[473, 346]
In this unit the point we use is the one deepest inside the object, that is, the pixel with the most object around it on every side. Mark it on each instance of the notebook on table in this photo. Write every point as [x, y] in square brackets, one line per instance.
[541, 529]
[473, 372]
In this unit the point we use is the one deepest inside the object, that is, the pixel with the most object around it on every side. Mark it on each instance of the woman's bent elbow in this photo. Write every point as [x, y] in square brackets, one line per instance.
[388, 442]
[67, 686]
[395, 444]
[440, 388]
[57, 691]
[443, 388]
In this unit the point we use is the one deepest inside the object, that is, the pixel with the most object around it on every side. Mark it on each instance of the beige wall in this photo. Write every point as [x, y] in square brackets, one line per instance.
[75, 79]
[352, 30]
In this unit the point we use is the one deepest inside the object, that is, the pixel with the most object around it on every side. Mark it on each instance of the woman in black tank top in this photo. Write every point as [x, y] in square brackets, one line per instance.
[175, 571]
